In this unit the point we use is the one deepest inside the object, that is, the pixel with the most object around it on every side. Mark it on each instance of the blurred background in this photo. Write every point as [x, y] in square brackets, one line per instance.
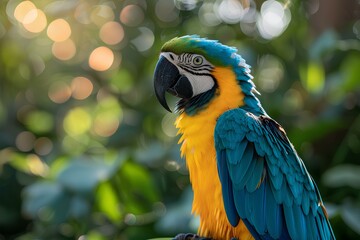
[86, 152]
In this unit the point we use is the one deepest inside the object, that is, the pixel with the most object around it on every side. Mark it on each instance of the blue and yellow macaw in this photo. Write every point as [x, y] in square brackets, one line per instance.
[248, 180]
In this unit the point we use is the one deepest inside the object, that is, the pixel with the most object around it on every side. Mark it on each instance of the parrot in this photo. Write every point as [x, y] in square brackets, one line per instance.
[247, 178]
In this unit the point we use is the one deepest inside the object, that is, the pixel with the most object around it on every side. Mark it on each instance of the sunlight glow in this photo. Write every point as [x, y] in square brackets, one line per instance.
[64, 50]
[106, 124]
[111, 33]
[35, 21]
[36, 165]
[166, 11]
[230, 11]
[22, 10]
[132, 15]
[273, 20]
[145, 40]
[108, 115]
[59, 92]
[25, 141]
[270, 73]
[81, 88]
[43, 146]
[59, 30]
[102, 14]
[207, 15]
[101, 59]
[77, 121]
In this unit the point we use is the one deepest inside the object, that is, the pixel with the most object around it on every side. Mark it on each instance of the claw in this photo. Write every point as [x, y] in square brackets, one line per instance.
[189, 236]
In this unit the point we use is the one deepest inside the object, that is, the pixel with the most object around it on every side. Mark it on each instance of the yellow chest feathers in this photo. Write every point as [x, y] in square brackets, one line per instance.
[197, 139]
[198, 130]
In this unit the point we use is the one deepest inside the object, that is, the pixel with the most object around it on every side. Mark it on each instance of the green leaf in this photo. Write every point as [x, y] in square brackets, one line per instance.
[41, 198]
[138, 191]
[122, 81]
[350, 67]
[39, 121]
[28, 163]
[342, 176]
[313, 76]
[108, 201]
[94, 235]
[83, 175]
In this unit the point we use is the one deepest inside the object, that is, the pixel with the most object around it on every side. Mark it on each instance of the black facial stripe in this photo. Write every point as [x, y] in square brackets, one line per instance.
[196, 73]
[207, 67]
[188, 58]
[196, 68]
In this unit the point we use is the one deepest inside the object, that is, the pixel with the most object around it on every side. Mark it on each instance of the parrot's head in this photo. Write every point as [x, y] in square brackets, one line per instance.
[188, 69]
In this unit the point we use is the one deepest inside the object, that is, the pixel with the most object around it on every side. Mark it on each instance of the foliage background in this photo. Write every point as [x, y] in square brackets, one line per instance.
[86, 152]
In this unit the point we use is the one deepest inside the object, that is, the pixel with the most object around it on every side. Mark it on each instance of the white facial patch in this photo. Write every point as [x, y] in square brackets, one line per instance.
[199, 76]
[200, 83]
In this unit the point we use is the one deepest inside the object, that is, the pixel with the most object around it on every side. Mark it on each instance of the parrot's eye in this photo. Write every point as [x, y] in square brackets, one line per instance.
[197, 60]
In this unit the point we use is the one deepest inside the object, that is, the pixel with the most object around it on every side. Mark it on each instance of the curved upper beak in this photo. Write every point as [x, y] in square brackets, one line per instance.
[168, 79]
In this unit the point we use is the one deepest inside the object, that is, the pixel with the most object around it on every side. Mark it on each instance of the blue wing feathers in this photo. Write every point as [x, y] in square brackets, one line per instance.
[277, 179]
[239, 152]
[240, 183]
[264, 182]
[274, 218]
[227, 190]
[259, 218]
[255, 178]
[305, 204]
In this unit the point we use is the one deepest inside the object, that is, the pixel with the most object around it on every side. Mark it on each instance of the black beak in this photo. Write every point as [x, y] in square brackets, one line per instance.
[168, 79]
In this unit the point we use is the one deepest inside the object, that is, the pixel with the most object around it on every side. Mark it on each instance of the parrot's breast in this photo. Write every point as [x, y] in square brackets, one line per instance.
[199, 150]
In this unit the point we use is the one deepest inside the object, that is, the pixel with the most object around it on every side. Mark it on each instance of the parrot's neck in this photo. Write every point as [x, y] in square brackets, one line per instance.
[199, 150]
[198, 129]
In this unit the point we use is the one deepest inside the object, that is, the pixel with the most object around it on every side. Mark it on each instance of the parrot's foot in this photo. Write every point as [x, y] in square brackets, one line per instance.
[190, 236]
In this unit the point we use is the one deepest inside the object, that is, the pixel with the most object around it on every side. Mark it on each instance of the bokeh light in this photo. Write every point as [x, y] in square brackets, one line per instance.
[64, 50]
[59, 30]
[43, 146]
[166, 11]
[39, 122]
[102, 14]
[273, 19]
[23, 9]
[81, 88]
[107, 117]
[82, 14]
[25, 141]
[77, 122]
[167, 125]
[207, 15]
[186, 5]
[59, 92]
[145, 40]
[270, 73]
[35, 21]
[106, 124]
[122, 81]
[131, 15]
[230, 11]
[111, 33]
[36, 165]
[294, 101]
[101, 59]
